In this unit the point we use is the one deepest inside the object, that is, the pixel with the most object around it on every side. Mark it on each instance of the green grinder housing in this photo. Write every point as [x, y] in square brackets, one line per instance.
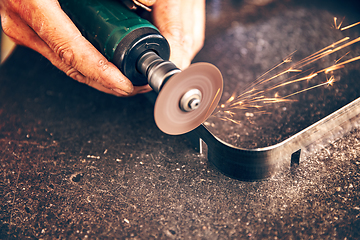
[118, 33]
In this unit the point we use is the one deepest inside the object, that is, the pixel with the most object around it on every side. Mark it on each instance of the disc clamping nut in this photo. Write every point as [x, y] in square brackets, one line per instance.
[190, 100]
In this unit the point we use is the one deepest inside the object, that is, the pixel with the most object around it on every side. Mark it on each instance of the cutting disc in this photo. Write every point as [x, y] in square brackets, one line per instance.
[202, 76]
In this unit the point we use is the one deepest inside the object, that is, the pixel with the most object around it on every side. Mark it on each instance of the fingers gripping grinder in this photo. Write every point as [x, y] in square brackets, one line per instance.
[185, 98]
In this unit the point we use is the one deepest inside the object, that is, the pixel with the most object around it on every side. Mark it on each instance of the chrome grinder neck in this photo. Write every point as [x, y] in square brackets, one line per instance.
[159, 71]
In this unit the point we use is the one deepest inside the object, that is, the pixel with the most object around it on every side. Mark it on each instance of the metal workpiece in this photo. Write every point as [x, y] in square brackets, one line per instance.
[261, 163]
[250, 164]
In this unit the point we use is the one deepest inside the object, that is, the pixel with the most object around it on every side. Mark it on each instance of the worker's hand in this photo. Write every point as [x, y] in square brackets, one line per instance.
[44, 27]
[182, 23]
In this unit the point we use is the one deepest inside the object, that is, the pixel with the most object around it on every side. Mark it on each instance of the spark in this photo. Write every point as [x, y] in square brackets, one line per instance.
[230, 113]
[350, 26]
[229, 119]
[307, 78]
[331, 81]
[247, 92]
[338, 26]
[244, 106]
[324, 52]
[339, 65]
[285, 60]
[289, 70]
[231, 98]
[346, 44]
[306, 89]
[342, 57]
[271, 100]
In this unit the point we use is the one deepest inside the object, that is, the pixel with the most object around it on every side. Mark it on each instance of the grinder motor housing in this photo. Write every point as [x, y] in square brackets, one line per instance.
[118, 33]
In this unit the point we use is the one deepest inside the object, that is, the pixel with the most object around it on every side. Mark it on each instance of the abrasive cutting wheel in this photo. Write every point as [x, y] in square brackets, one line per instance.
[201, 79]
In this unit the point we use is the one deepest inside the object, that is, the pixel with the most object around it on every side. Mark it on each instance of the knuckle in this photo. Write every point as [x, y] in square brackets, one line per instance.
[197, 46]
[71, 72]
[85, 80]
[67, 56]
[63, 49]
[173, 30]
[188, 42]
[76, 75]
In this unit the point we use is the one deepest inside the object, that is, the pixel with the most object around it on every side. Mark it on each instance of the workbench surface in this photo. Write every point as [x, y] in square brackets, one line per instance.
[77, 163]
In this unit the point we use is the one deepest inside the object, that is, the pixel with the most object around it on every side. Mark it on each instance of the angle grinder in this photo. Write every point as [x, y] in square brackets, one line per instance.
[185, 98]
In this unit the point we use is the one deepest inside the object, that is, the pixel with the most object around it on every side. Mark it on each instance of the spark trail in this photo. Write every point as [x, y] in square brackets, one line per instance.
[260, 93]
